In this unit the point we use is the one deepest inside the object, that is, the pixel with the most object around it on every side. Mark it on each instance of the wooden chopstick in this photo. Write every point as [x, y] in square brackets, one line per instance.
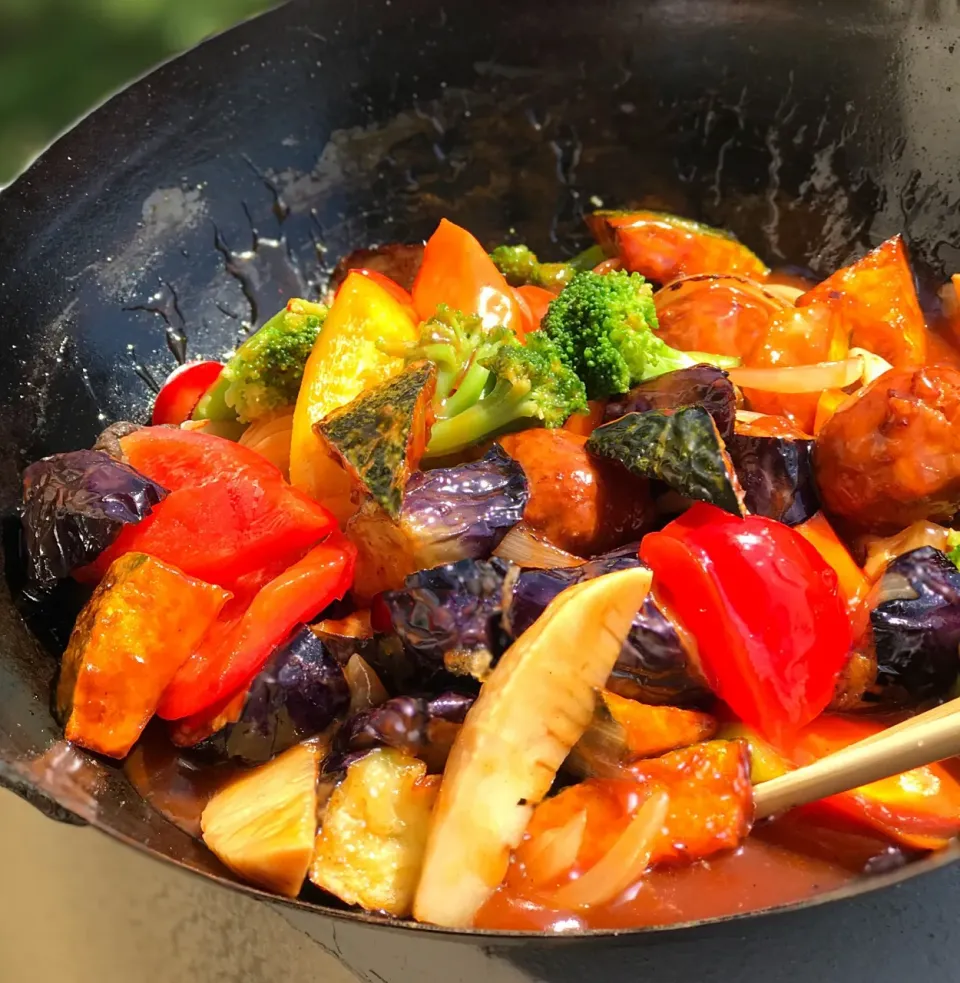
[926, 738]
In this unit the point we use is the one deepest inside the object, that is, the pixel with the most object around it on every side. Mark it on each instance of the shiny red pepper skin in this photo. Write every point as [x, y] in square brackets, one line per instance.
[182, 390]
[764, 608]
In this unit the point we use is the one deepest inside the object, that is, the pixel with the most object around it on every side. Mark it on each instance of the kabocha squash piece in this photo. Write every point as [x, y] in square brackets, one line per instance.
[663, 247]
[369, 850]
[142, 623]
[262, 826]
[345, 361]
[624, 730]
[534, 707]
[381, 435]
[877, 303]
[681, 447]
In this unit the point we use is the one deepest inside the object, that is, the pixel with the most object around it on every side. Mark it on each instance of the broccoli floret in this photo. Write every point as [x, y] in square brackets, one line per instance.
[953, 547]
[507, 385]
[519, 264]
[267, 369]
[451, 340]
[603, 326]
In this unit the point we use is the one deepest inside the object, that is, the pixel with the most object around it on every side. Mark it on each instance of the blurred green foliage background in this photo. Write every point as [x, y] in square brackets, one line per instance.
[58, 58]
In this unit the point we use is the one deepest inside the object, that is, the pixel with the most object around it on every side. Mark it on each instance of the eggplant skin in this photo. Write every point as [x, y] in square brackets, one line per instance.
[776, 474]
[917, 638]
[654, 665]
[298, 694]
[700, 385]
[448, 618]
[74, 506]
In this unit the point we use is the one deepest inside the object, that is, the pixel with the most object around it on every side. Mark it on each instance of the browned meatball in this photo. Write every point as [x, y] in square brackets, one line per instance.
[578, 503]
[893, 456]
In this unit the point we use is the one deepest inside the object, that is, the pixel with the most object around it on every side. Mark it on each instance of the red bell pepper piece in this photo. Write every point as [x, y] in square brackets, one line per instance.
[919, 809]
[181, 392]
[763, 605]
[534, 301]
[235, 651]
[457, 271]
[229, 511]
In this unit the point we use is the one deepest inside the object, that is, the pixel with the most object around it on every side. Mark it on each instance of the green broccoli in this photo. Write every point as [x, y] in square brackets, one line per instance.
[603, 326]
[953, 547]
[519, 264]
[266, 371]
[487, 381]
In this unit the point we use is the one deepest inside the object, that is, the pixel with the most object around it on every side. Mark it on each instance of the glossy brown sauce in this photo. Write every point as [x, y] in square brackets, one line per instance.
[782, 862]
[174, 784]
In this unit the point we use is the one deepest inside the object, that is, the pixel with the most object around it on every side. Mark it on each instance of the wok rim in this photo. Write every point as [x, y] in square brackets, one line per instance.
[863, 885]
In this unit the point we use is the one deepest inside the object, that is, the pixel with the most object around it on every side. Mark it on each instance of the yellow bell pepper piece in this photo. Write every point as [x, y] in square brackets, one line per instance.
[344, 362]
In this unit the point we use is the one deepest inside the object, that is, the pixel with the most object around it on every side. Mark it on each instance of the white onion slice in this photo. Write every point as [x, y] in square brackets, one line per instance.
[623, 864]
[523, 547]
[270, 437]
[873, 365]
[800, 378]
[557, 849]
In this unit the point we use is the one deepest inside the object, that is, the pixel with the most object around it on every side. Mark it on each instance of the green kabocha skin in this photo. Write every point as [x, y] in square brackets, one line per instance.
[520, 266]
[680, 447]
[265, 373]
[380, 436]
[604, 327]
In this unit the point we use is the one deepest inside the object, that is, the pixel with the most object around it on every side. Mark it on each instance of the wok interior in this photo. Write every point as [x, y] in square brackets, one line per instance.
[192, 205]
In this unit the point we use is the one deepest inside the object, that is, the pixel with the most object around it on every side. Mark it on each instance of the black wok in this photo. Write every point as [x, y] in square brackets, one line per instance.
[194, 203]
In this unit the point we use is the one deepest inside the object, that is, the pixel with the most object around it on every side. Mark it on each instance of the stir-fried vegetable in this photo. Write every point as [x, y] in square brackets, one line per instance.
[370, 847]
[761, 602]
[265, 373]
[262, 825]
[130, 640]
[345, 360]
[448, 514]
[381, 435]
[681, 447]
[533, 709]
[74, 506]
[663, 247]
[529, 695]
[604, 327]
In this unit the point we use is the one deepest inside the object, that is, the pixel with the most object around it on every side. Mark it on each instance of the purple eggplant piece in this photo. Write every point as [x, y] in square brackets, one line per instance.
[418, 726]
[466, 509]
[447, 618]
[298, 694]
[655, 664]
[398, 260]
[700, 385]
[74, 506]
[776, 474]
[916, 632]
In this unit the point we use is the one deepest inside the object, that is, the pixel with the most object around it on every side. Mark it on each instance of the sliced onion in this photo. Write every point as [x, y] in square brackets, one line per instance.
[748, 416]
[873, 365]
[270, 437]
[623, 864]
[366, 690]
[800, 378]
[557, 849]
[523, 547]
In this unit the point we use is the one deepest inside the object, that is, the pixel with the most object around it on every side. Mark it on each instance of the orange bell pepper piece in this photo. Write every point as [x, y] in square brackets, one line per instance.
[458, 272]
